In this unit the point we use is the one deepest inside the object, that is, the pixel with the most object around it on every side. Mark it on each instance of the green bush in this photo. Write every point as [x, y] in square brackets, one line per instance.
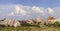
[57, 24]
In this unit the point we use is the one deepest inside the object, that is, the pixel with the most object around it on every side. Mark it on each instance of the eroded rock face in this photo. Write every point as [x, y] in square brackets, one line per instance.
[23, 23]
[10, 22]
[30, 22]
[57, 20]
[50, 19]
[39, 20]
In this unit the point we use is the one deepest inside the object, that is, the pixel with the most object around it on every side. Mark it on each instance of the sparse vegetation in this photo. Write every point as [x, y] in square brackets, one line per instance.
[57, 24]
[29, 29]
[30, 25]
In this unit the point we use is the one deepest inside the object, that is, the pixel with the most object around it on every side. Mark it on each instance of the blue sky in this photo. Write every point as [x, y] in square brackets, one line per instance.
[27, 9]
[42, 3]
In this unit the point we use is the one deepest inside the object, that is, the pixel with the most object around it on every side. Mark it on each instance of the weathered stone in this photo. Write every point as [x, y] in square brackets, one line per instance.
[30, 22]
[39, 20]
[10, 22]
[50, 19]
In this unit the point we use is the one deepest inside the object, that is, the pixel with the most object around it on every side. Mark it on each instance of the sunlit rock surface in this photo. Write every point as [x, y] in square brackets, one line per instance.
[30, 21]
[50, 19]
[39, 20]
[10, 22]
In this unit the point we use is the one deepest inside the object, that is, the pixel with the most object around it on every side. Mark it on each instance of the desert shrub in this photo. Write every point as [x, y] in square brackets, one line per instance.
[29, 25]
[45, 24]
[2, 25]
[49, 24]
[56, 24]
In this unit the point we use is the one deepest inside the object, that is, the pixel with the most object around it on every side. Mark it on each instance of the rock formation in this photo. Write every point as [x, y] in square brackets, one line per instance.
[30, 21]
[50, 19]
[10, 22]
[39, 20]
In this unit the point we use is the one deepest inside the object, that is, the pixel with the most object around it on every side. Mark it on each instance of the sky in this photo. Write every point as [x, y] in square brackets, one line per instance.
[28, 9]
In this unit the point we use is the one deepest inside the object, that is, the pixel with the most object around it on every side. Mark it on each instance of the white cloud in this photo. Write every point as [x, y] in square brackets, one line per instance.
[11, 14]
[50, 10]
[37, 9]
[20, 10]
[25, 11]
[17, 9]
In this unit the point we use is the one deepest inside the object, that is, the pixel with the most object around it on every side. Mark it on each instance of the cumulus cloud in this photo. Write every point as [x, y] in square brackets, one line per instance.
[11, 14]
[17, 9]
[20, 10]
[50, 10]
[25, 11]
[38, 9]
